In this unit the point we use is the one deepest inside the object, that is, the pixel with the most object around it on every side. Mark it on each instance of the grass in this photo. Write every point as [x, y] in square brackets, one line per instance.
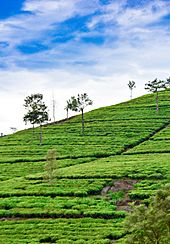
[124, 142]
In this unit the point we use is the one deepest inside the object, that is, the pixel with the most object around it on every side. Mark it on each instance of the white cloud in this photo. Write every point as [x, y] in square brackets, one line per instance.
[118, 13]
[44, 16]
[148, 14]
[109, 13]
[40, 19]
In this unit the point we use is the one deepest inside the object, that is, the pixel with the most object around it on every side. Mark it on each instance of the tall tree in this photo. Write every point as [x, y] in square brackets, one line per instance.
[155, 86]
[70, 104]
[36, 111]
[79, 104]
[131, 86]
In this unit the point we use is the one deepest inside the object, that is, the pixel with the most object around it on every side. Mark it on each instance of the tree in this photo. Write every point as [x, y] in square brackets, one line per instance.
[155, 86]
[168, 82]
[50, 166]
[36, 111]
[131, 86]
[150, 225]
[70, 104]
[79, 104]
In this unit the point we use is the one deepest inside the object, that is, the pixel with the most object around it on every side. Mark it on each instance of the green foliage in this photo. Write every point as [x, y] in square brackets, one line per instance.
[62, 230]
[142, 166]
[115, 196]
[159, 143]
[82, 101]
[151, 224]
[36, 111]
[34, 185]
[71, 104]
[45, 206]
[168, 82]
[79, 104]
[51, 165]
[155, 86]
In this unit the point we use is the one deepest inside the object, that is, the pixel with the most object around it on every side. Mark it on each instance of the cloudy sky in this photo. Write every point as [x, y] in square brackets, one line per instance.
[64, 47]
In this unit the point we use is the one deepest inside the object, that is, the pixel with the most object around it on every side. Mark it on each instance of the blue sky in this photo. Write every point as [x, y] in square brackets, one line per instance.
[74, 46]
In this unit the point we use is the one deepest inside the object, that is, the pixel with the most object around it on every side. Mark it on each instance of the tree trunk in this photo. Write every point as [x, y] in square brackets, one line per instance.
[53, 110]
[82, 120]
[131, 94]
[67, 113]
[157, 106]
[40, 135]
[33, 130]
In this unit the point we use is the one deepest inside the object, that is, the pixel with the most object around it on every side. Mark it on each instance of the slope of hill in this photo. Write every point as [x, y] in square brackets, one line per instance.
[123, 157]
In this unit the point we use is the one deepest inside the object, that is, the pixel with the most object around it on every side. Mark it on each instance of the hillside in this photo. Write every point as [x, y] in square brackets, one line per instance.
[123, 157]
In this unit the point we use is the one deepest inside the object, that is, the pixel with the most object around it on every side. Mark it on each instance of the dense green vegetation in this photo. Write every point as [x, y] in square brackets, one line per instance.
[150, 224]
[123, 157]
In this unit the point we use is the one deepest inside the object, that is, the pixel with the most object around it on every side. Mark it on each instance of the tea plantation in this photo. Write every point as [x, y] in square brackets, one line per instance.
[123, 157]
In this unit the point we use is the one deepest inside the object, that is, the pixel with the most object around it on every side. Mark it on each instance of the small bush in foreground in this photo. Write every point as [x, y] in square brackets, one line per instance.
[151, 224]
[50, 166]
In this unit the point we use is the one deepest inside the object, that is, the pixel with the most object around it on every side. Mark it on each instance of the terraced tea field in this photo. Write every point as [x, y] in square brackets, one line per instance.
[123, 157]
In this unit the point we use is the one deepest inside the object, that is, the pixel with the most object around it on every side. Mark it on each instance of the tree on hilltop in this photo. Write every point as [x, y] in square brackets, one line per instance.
[155, 86]
[168, 82]
[131, 86]
[70, 104]
[36, 111]
[79, 104]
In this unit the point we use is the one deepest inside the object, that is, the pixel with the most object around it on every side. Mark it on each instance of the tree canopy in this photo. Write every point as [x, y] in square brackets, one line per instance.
[131, 86]
[155, 86]
[150, 225]
[71, 104]
[79, 104]
[36, 111]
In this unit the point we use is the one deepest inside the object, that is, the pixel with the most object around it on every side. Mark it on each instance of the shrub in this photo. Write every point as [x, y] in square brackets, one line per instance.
[150, 224]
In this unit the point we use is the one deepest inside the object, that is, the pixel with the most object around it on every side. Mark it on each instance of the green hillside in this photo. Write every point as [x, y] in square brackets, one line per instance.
[123, 157]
